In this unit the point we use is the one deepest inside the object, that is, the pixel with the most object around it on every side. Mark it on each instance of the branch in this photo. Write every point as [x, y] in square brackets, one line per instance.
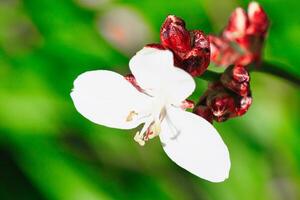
[210, 76]
[265, 67]
[274, 70]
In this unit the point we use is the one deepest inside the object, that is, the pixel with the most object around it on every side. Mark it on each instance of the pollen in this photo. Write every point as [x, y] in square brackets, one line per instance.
[139, 138]
[131, 115]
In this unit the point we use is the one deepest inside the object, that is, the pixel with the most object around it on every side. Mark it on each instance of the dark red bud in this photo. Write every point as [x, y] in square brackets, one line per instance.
[174, 35]
[191, 49]
[236, 78]
[132, 80]
[222, 104]
[205, 112]
[200, 41]
[239, 73]
[243, 105]
[198, 59]
[195, 62]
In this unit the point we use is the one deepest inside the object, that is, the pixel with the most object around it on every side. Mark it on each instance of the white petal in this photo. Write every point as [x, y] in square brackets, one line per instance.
[195, 145]
[106, 98]
[155, 72]
[179, 85]
[149, 65]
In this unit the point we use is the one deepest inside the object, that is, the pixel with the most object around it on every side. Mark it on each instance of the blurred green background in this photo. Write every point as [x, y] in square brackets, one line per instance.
[49, 151]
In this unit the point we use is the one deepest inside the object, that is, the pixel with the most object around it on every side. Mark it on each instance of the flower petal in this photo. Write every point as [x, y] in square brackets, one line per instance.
[155, 72]
[150, 66]
[195, 145]
[106, 98]
[179, 86]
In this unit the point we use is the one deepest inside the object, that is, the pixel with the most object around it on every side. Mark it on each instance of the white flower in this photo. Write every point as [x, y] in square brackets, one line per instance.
[106, 98]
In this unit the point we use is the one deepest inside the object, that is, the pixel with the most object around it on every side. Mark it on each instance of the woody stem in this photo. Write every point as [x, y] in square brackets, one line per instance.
[265, 67]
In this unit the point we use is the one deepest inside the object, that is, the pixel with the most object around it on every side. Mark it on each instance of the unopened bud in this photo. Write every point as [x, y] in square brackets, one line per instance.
[219, 103]
[237, 25]
[191, 49]
[243, 105]
[236, 78]
[222, 53]
[174, 35]
[259, 21]
[222, 105]
[197, 60]
[204, 112]
[242, 39]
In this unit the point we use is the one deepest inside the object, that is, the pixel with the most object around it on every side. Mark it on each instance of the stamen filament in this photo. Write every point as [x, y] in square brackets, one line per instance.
[173, 128]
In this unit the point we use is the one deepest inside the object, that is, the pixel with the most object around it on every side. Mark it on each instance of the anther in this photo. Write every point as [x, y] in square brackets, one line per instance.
[131, 115]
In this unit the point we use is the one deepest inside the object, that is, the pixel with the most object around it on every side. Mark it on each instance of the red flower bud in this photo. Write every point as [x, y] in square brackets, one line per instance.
[239, 73]
[197, 60]
[259, 21]
[237, 25]
[200, 41]
[222, 53]
[236, 78]
[205, 112]
[219, 103]
[243, 105]
[174, 35]
[242, 40]
[191, 49]
[222, 104]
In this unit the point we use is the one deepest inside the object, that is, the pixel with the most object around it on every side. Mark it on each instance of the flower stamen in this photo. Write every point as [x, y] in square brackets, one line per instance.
[131, 115]
[151, 128]
[174, 130]
[139, 138]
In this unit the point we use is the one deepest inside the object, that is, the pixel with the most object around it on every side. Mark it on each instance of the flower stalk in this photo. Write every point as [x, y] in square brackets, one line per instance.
[266, 67]
[277, 71]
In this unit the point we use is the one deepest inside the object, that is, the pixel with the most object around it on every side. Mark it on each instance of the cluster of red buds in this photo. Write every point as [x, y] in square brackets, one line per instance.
[242, 40]
[227, 98]
[239, 45]
[191, 49]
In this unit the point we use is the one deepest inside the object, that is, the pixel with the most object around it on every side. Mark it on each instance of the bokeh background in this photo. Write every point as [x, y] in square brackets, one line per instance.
[49, 151]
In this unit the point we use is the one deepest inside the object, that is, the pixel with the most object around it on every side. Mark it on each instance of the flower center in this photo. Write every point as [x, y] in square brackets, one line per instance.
[151, 128]
[152, 125]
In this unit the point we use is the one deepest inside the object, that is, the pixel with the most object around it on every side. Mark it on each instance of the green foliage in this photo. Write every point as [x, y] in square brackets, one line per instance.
[52, 152]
